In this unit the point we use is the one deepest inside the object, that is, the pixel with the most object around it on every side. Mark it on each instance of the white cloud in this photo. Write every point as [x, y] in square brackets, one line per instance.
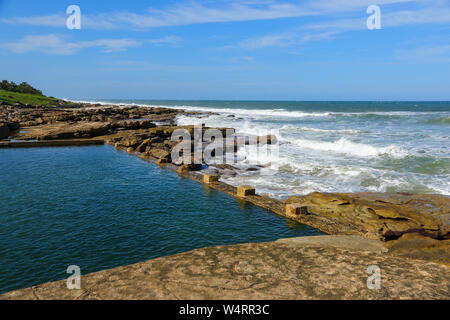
[284, 39]
[274, 40]
[54, 44]
[431, 11]
[166, 40]
[54, 20]
[196, 13]
[437, 13]
[352, 13]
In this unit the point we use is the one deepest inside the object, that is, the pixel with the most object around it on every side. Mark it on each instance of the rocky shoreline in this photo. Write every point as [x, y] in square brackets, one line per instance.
[407, 225]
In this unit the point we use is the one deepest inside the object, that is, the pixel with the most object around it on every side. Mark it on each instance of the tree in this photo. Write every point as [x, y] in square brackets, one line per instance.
[21, 88]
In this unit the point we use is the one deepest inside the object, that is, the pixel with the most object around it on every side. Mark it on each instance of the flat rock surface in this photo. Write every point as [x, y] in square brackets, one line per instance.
[419, 247]
[323, 267]
[382, 215]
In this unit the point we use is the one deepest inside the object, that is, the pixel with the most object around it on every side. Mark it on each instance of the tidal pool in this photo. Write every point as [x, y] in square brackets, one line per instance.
[99, 208]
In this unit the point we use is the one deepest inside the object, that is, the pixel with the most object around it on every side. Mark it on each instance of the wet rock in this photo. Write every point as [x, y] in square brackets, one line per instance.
[161, 161]
[185, 168]
[269, 139]
[4, 131]
[143, 146]
[134, 125]
[245, 191]
[14, 126]
[131, 141]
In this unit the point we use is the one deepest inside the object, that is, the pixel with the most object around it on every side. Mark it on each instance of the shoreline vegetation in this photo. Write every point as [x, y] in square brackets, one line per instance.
[25, 94]
[409, 230]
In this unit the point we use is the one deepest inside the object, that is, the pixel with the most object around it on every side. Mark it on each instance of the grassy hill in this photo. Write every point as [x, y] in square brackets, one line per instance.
[9, 97]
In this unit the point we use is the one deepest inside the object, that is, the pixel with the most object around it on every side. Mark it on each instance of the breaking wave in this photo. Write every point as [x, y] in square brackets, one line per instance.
[346, 146]
[345, 131]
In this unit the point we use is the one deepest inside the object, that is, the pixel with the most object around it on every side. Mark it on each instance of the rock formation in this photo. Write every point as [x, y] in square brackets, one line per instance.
[382, 215]
[323, 267]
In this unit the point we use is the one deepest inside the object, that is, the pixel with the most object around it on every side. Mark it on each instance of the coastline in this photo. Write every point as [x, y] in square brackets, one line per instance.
[405, 223]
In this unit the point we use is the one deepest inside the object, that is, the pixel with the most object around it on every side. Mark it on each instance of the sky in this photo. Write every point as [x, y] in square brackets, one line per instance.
[229, 50]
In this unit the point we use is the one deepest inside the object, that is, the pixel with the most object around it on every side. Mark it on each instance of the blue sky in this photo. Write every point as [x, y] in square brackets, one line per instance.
[246, 49]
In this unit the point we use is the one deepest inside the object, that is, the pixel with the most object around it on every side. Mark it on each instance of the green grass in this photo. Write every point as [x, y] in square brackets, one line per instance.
[11, 98]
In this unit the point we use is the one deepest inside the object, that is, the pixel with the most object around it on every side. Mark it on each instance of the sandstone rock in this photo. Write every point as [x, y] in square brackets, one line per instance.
[78, 130]
[245, 191]
[416, 246]
[143, 124]
[131, 141]
[143, 146]
[185, 168]
[160, 153]
[144, 156]
[323, 267]
[382, 216]
[269, 139]
[39, 121]
[294, 209]
[210, 178]
[161, 161]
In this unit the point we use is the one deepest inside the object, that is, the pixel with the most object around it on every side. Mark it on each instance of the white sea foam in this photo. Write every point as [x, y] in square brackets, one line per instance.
[259, 112]
[351, 148]
[289, 127]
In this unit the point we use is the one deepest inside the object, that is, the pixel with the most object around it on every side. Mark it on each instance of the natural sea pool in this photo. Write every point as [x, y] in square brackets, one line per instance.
[99, 208]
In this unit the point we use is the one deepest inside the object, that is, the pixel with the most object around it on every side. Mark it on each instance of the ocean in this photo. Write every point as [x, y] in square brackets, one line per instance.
[336, 146]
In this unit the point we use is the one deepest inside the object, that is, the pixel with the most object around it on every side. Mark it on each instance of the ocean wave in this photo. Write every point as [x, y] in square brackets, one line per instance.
[420, 164]
[443, 120]
[228, 111]
[259, 112]
[346, 146]
[284, 113]
[297, 128]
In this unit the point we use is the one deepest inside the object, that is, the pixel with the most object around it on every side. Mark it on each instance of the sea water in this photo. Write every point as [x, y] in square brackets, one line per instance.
[337, 146]
[99, 208]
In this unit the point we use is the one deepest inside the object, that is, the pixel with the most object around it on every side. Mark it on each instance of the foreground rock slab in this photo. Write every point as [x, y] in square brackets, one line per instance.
[323, 267]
